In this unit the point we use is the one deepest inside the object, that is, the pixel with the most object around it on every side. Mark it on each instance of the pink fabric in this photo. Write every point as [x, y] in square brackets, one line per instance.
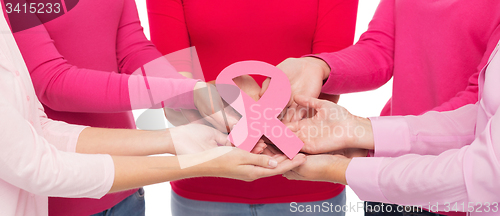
[37, 156]
[438, 158]
[82, 64]
[433, 49]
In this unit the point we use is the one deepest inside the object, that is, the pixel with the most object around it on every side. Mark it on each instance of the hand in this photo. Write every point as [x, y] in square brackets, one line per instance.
[331, 128]
[239, 164]
[306, 77]
[212, 108]
[195, 138]
[324, 167]
[249, 86]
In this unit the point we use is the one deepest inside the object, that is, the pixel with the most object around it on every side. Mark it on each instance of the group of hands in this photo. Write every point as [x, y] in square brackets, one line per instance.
[332, 136]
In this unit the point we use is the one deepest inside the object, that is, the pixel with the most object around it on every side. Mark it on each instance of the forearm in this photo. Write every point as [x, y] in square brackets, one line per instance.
[124, 142]
[133, 172]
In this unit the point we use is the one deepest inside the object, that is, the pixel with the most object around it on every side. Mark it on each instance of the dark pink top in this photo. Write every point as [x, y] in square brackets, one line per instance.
[80, 64]
[227, 31]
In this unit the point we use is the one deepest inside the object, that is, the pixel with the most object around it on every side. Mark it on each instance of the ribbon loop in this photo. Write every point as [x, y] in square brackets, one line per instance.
[259, 118]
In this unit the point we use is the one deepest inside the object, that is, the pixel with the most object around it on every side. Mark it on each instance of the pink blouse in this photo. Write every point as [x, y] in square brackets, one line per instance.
[37, 156]
[444, 161]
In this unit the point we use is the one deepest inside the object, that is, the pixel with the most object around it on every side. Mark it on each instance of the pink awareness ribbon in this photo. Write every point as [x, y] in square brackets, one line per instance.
[259, 118]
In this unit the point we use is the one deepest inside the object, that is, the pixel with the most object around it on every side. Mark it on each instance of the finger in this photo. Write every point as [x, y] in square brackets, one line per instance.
[273, 149]
[268, 152]
[290, 112]
[221, 138]
[280, 157]
[309, 102]
[217, 122]
[232, 117]
[259, 148]
[265, 85]
[260, 160]
[283, 167]
[300, 113]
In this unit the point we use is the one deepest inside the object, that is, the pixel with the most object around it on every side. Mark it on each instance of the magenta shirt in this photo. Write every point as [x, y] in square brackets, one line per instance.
[440, 159]
[81, 65]
[433, 50]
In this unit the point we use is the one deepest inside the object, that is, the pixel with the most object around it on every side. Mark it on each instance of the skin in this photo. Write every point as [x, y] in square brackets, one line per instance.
[136, 170]
[332, 153]
[306, 76]
[332, 128]
[133, 169]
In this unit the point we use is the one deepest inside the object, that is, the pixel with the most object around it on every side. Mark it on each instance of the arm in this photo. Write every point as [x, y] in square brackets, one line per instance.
[469, 174]
[368, 64]
[29, 162]
[428, 134]
[65, 87]
[133, 49]
[470, 94]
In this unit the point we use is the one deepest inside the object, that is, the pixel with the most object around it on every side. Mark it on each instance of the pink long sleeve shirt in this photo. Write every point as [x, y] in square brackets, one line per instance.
[86, 67]
[433, 50]
[37, 156]
[444, 161]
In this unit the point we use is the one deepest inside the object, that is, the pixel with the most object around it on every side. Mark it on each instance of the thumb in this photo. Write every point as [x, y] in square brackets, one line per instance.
[265, 85]
[307, 101]
[262, 161]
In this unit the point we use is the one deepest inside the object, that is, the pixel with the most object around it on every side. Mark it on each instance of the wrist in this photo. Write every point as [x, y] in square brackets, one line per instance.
[166, 137]
[337, 172]
[325, 68]
[365, 139]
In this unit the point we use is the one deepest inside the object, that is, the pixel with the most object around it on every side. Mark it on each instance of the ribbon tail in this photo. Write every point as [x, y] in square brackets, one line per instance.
[240, 137]
[288, 143]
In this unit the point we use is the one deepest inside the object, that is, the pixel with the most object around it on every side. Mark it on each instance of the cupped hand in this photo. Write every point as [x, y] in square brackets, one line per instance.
[195, 138]
[323, 167]
[213, 109]
[242, 165]
[331, 128]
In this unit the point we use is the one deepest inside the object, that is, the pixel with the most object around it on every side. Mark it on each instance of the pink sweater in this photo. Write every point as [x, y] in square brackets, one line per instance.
[441, 161]
[80, 64]
[432, 49]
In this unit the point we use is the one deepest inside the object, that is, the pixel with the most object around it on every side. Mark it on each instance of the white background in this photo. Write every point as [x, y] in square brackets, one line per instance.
[364, 104]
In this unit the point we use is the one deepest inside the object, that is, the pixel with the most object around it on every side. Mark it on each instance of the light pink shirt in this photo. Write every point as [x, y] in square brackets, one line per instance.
[37, 156]
[438, 158]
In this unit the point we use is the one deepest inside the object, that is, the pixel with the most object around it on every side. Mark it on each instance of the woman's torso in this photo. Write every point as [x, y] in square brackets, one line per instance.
[224, 32]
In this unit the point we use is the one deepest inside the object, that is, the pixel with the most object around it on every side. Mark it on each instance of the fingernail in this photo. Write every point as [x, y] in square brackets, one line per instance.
[273, 163]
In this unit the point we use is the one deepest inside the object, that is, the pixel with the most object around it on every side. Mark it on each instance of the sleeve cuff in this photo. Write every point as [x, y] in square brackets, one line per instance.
[331, 85]
[362, 176]
[73, 139]
[109, 174]
[391, 136]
